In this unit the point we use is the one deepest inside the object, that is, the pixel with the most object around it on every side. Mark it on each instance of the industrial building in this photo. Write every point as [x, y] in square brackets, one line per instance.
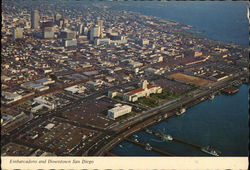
[119, 110]
[8, 97]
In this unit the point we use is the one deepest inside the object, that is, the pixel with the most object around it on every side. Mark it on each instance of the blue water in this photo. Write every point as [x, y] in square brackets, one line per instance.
[221, 123]
[222, 21]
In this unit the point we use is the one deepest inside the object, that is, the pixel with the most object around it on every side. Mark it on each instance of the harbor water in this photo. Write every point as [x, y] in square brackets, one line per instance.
[221, 123]
[221, 20]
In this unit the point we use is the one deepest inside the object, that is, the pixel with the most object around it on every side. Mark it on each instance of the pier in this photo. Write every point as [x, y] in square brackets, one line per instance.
[187, 143]
[153, 148]
[162, 135]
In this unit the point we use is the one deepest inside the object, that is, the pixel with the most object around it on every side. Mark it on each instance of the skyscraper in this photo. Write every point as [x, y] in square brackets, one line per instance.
[95, 32]
[35, 18]
[80, 29]
[100, 24]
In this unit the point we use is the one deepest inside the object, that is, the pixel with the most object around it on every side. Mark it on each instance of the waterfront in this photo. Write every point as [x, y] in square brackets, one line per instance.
[215, 20]
[221, 123]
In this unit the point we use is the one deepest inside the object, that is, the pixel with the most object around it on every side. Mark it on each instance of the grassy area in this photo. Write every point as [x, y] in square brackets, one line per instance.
[126, 116]
[165, 95]
[154, 99]
[118, 98]
[148, 101]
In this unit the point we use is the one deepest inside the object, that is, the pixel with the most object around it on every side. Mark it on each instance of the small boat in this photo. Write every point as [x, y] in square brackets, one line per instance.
[148, 147]
[182, 110]
[135, 136]
[149, 131]
[120, 146]
[136, 140]
[168, 137]
[210, 151]
[211, 97]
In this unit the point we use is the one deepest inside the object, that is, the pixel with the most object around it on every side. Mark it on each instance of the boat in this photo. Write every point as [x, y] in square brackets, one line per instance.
[120, 146]
[148, 147]
[182, 110]
[211, 97]
[136, 140]
[166, 115]
[164, 137]
[135, 136]
[149, 131]
[210, 151]
[168, 137]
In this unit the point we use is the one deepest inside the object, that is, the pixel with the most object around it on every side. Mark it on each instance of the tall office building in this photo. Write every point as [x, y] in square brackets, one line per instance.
[48, 32]
[35, 19]
[95, 32]
[18, 33]
[80, 29]
[57, 17]
[68, 34]
[100, 24]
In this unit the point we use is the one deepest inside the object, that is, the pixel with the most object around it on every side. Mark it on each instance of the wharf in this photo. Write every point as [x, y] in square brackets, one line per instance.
[188, 143]
[230, 90]
[161, 135]
[153, 148]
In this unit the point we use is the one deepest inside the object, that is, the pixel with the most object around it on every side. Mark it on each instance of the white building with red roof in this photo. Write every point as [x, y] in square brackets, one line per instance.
[133, 95]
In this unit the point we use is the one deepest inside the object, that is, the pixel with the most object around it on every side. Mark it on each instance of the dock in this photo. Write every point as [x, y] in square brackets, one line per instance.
[162, 135]
[153, 148]
[230, 90]
[187, 143]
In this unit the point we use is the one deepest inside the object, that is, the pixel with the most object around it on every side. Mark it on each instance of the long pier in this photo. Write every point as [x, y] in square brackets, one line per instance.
[161, 135]
[153, 148]
[188, 143]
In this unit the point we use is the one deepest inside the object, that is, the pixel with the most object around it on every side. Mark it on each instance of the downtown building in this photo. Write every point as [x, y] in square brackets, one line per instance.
[18, 33]
[35, 19]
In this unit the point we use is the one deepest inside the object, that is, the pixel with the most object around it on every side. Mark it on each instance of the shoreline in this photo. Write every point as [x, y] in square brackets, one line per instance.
[188, 27]
[153, 119]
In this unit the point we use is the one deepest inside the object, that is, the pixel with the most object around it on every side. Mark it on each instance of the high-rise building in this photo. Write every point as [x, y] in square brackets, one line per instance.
[18, 33]
[35, 19]
[100, 24]
[95, 32]
[48, 32]
[80, 29]
[57, 17]
[68, 34]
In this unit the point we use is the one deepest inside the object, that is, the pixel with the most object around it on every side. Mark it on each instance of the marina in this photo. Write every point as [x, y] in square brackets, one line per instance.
[149, 148]
[165, 137]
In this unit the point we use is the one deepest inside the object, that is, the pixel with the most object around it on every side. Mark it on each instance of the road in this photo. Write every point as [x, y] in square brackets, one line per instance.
[116, 133]
[125, 129]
